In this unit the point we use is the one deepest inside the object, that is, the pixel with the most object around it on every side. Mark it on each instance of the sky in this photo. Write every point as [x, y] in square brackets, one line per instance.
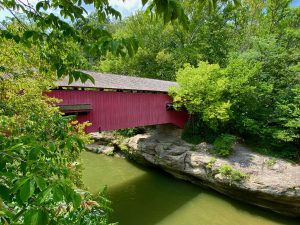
[127, 7]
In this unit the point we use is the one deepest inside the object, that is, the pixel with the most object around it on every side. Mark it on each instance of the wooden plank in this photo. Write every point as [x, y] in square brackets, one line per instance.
[76, 108]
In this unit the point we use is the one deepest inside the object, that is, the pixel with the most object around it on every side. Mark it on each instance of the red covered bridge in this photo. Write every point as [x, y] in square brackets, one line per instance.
[118, 102]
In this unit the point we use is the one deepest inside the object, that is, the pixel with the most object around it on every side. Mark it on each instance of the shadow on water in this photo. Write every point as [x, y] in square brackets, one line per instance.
[147, 199]
[150, 198]
[146, 196]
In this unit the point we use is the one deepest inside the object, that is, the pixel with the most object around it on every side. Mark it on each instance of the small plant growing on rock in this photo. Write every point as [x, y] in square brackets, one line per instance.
[130, 132]
[123, 148]
[232, 174]
[223, 144]
[271, 163]
[211, 163]
[110, 153]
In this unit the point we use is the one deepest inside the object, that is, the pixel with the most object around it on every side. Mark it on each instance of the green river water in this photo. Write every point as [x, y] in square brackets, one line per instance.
[143, 196]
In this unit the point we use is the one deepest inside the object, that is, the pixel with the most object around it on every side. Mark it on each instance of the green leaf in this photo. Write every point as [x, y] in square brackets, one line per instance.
[36, 217]
[34, 153]
[4, 193]
[19, 183]
[76, 199]
[41, 183]
[130, 51]
[6, 213]
[45, 195]
[52, 146]
[27, 190]
[58, 194]
[144, 2]
[135, 44]
[28, 34]
[71, 79]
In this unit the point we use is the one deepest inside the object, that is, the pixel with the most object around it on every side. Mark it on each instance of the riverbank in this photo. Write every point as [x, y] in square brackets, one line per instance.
[260, 180]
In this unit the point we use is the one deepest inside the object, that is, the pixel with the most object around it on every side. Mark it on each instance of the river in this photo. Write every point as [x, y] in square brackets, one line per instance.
[144, 196]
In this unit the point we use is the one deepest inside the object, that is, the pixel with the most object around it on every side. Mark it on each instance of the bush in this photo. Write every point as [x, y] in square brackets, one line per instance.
[130, 132]
[40, 178]
[256, 96]
[232, 174]
[202, 91]
[223, 145]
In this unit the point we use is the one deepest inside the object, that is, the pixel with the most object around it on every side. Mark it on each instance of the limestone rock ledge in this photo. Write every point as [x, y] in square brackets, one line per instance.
[271, 183]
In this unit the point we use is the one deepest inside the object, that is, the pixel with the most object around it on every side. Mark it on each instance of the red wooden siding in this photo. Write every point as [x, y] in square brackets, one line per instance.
[119, 110]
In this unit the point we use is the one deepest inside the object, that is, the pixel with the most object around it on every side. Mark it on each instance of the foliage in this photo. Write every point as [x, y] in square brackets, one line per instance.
[38, 160]
[270, 163]
[166, 48]
[44, 29]
[223, 144]
[259, 95]
[232, 174]
[211, 163]
[202, 92]
[190, 134]
[143, 64]
[40, 178]
[130, 132]
[195, 131]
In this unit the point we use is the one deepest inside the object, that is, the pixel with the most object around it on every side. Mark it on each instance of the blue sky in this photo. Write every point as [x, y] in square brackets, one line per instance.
[295, 2]
[127, 7]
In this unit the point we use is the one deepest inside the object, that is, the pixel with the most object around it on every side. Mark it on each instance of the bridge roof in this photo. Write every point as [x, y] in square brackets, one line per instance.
[122, 82]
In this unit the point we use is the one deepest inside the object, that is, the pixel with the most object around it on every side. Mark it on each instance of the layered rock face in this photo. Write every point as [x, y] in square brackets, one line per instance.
[269, 183]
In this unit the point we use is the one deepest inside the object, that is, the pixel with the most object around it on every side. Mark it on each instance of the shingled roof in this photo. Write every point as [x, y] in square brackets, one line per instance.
[120, 82]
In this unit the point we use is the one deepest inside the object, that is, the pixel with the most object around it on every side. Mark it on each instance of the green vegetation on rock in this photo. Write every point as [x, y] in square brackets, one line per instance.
[231, 173]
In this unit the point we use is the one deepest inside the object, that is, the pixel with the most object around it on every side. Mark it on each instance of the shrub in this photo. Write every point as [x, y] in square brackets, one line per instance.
[223, 145]
[40, 178]
[202, 91]
[232, 174]
[130, 132]
[256, 96]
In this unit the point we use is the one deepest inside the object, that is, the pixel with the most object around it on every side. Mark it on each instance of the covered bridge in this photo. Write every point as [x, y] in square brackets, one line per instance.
[118, 102]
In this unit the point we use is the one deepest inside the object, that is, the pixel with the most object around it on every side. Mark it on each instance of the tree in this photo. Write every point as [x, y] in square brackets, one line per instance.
[39, 174]
[51, 31]
[166, 48]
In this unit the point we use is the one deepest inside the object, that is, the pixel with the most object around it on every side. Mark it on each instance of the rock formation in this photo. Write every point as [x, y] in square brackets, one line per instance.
[260, 180]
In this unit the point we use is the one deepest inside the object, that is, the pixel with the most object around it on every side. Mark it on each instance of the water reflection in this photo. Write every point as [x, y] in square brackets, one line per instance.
[149, 197]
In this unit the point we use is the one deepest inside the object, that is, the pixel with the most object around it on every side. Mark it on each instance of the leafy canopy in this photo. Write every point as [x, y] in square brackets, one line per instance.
[45, 29]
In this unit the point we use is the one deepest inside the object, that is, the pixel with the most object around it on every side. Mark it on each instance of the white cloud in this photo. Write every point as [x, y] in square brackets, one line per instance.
[127, 7]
